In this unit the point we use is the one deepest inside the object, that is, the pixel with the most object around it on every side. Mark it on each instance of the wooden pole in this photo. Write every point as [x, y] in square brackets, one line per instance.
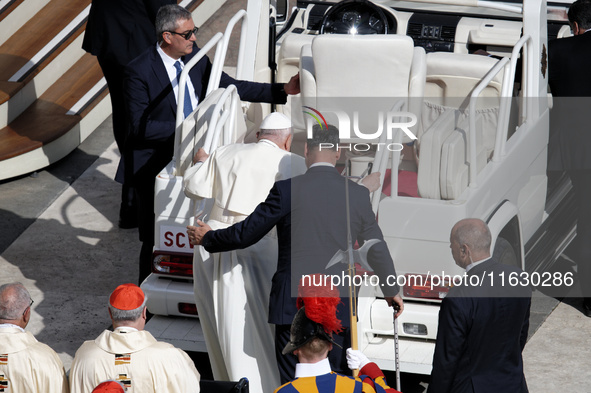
[351, 271]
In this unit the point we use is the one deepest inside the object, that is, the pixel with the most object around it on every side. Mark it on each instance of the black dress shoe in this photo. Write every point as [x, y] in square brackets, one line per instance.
[127, 223]
[128, 216]
[587, 309]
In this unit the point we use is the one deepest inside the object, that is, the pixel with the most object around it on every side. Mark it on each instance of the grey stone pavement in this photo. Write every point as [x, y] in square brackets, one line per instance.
[71, 254]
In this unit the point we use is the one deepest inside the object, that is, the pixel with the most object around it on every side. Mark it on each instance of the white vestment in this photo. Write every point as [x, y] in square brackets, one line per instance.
[232, 288]
[28, 366]
[137, 360]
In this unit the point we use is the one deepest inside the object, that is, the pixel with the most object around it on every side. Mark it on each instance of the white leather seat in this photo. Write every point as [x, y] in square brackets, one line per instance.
[450, 80]
[429, 165]
[456, 75]
[338, 67]
[288, 64]
[381, 66]
[288, 58]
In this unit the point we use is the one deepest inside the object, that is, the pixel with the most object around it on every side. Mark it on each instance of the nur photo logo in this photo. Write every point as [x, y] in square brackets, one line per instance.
[367, 126]
[316, 115]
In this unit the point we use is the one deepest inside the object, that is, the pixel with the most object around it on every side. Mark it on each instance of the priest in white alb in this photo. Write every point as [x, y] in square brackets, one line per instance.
[130, 355]
[26, 365]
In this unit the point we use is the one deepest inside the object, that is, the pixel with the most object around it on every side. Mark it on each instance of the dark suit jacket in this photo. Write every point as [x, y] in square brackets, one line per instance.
[151, 110]
[482, 331]
[151, 106]
[117, 32]
[309, 212]
[120, 30]
[570, 83]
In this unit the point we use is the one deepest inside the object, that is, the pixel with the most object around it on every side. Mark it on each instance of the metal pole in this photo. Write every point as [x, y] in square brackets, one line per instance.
[396, 352]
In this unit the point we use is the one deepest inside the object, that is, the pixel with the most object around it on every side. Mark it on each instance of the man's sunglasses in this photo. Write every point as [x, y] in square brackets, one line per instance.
[186, 35]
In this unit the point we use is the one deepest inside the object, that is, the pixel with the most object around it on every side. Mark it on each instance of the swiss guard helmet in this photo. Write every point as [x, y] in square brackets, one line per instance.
[303, 330]
[316, 317]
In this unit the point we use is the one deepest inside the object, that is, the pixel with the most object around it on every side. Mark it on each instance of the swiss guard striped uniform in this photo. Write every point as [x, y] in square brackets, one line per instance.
[370, 380]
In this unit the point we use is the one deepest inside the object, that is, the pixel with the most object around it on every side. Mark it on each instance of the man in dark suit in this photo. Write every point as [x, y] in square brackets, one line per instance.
[116, 32]
[150, 86]
[309, 212]
[483, 321]
[569, 147]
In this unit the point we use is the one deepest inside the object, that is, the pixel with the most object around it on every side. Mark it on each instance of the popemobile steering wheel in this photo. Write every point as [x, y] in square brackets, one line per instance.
[355, 17]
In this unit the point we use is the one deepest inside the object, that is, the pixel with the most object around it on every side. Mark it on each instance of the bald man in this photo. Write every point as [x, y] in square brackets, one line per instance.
[26, 365]
[483, 322]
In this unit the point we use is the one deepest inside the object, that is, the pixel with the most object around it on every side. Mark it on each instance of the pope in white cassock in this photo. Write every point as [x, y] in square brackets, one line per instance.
[131, 355]
[232, 288]
[26, 365]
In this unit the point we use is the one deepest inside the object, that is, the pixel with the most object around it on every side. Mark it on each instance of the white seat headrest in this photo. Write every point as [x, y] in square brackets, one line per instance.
[374, 60]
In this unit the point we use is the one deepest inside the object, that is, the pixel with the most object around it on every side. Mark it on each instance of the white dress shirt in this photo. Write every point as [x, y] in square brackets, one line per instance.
[321, 164]
[171, 71]
[474, 264]
[312, 369]
[11, 326]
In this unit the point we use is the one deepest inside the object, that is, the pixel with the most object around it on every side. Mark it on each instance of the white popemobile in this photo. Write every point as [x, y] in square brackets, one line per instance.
[467, 78]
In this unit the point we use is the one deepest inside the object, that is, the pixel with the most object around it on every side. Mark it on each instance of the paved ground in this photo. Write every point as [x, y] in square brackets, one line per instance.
[557, 356]
[72, 255]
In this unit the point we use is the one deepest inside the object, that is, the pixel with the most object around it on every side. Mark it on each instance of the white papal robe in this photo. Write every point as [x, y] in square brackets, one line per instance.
[137, 360]
[28, 366]
[232, 288]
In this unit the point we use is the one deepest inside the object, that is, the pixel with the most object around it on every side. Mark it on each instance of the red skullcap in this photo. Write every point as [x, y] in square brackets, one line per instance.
[127, 297]
[109, 387]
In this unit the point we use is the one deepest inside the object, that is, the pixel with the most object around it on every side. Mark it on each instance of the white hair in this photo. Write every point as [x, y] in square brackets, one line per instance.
[127, 315]
[14, 300]
[281, 133]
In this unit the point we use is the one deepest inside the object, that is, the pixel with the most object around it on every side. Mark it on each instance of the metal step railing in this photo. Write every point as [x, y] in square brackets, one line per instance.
[223, 116]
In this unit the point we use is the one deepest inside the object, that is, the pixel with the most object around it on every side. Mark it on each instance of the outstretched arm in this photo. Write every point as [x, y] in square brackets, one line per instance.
[275, 93]
[267, 214]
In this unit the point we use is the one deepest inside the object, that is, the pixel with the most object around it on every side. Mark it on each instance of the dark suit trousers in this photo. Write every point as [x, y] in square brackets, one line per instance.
[144, 192]
[287, 363]
[113, 73]
[581, 180]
